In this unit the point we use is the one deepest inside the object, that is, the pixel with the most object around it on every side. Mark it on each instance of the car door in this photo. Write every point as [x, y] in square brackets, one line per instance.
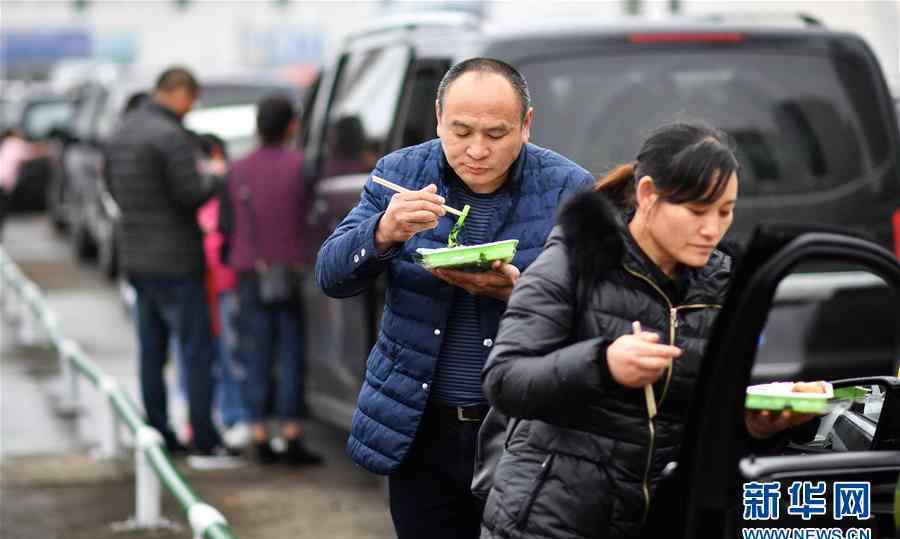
[810, 469]
[83, 166]
[350, 128]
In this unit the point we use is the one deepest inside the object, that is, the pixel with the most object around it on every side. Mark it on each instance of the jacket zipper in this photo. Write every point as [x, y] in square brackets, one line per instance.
[522, 517]
[673, 325]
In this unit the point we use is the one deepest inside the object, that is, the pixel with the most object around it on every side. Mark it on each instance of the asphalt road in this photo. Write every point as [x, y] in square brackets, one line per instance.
[53, 486]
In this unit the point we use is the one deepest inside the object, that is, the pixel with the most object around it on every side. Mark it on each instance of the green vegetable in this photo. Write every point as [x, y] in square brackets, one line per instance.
[454, 232]
[852, 393]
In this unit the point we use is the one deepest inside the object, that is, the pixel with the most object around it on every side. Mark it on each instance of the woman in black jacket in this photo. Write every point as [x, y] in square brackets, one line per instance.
[624, 296]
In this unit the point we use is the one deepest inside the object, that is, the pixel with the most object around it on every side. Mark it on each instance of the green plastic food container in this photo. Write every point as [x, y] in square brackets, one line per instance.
[778, 396]
[467, 257]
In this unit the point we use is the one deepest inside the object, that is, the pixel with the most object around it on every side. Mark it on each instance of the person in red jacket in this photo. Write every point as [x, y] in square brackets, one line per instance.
[222, 298]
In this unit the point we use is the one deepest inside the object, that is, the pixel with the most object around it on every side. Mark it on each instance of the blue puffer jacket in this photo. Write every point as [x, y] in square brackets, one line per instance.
[402, 362]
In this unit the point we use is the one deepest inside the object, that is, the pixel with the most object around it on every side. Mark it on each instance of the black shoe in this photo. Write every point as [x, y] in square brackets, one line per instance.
[264, 452]
[297, 454]
[174, 447]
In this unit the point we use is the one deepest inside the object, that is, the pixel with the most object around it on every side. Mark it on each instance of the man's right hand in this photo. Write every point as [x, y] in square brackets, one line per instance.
[408, 214]
[636, 360]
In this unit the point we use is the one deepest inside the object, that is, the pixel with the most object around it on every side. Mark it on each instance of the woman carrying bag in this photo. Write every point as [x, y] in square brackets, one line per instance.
[602, 390]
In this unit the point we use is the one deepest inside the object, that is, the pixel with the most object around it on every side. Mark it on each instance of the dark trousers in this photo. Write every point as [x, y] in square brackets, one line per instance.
[167, 305]
[430, 494]
[5, 205]
[267, 335]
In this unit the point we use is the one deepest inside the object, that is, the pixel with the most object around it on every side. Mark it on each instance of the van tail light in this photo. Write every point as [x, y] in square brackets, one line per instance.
[896, 221]
[682, 37]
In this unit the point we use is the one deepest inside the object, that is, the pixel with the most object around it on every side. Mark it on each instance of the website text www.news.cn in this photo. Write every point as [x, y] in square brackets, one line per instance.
[806, 533]
[807, 499]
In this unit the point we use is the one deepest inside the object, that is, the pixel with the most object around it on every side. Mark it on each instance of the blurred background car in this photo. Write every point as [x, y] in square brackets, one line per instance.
[43, 117]
[84, 205]
[819, 148]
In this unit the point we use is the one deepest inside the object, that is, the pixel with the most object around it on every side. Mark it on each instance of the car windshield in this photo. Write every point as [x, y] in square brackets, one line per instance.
[799, 121]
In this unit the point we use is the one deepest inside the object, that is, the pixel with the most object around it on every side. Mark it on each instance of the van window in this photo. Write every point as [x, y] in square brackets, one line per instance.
[797, 122]
[363, 110]
[417, 116]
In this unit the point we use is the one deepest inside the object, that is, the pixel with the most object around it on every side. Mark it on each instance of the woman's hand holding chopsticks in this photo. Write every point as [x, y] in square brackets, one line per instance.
[407, 214]
[638, 359]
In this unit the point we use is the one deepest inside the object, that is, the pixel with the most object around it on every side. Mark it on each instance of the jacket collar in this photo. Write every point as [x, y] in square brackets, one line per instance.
[635, 259]
[508, 194]
[597, 235]
[156, 108]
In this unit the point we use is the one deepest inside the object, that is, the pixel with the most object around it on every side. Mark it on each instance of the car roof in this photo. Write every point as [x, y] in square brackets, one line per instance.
[458, 34]
[564, 27]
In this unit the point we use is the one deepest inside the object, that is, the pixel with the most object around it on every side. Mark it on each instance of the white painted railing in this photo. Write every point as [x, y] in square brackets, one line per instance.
[23, 306]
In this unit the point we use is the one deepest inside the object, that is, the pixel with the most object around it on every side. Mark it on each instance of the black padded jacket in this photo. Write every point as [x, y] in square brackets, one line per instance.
[584, 458]
[153, 176]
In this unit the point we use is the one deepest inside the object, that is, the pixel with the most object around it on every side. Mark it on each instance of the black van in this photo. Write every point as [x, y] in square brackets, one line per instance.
[808, 106]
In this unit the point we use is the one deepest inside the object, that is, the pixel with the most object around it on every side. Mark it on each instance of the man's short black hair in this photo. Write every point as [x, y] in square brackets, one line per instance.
[273, 117]
[486, 65]
[177, 77]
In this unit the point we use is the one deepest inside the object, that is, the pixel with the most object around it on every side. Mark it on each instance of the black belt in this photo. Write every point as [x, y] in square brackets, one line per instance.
[470, 413]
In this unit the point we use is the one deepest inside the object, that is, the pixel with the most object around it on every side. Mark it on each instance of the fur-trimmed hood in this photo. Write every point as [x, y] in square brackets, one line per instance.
[595, 232]
[590, 225]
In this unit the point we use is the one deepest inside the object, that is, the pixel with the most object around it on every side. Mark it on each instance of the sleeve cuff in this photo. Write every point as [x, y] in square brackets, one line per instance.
[580, 365]
[365, 252]
[390, 253]
[605, 379]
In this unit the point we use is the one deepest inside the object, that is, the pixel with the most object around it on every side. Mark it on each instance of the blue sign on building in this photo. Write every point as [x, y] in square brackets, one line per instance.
[43, 46]
[282, 46]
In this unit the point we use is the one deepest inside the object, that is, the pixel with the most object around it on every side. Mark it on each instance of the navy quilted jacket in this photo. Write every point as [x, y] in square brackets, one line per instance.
[402, 362]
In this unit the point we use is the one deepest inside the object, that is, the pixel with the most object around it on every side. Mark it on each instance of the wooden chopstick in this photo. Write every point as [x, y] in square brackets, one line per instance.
[648, 389]
[400, 189]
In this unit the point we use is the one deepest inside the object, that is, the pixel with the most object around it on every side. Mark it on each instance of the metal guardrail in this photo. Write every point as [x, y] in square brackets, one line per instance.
[22, 301]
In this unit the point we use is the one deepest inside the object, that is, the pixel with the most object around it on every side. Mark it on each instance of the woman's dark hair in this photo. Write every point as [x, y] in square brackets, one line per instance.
[273, 117]
[688, 161]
